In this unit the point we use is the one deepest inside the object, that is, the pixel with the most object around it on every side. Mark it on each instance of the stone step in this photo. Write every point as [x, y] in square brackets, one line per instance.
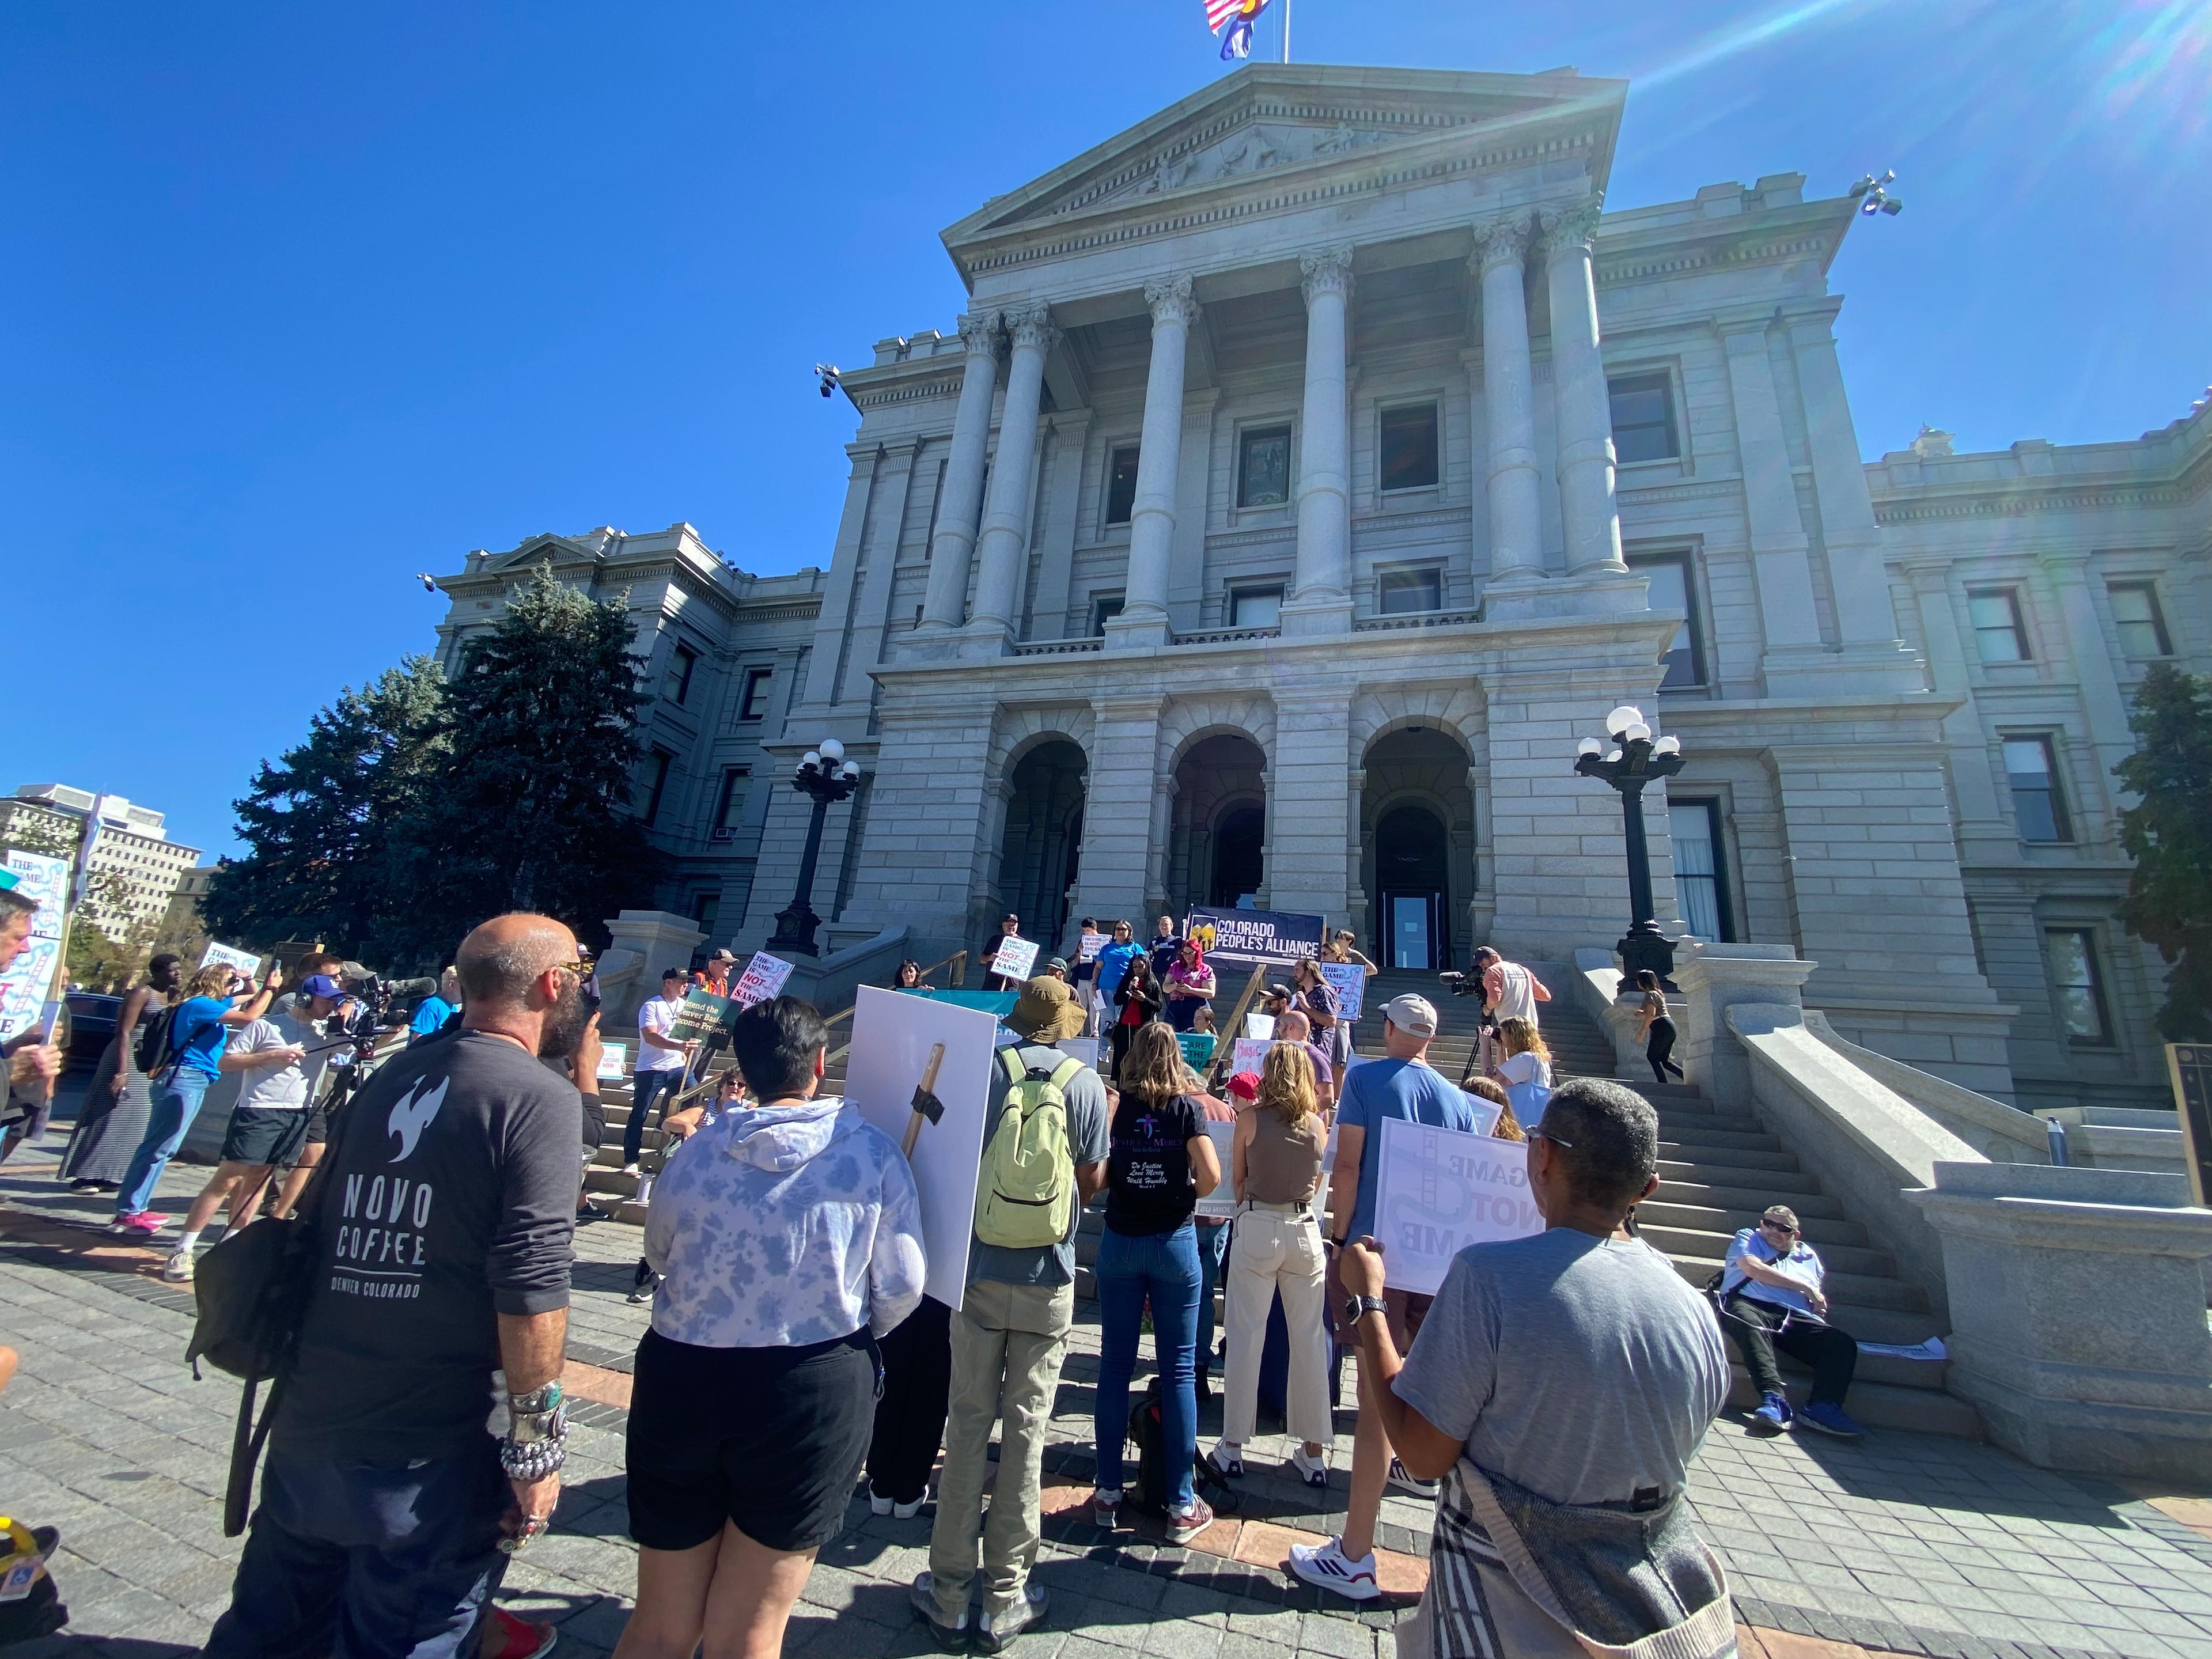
[1718, 1141]
[2130, 1117]
[1755, 1188]
[1924, 1409]
[1712, 1244]
[1819, 1231]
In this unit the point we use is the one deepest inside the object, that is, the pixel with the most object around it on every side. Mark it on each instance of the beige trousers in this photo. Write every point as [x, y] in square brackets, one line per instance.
[1270, 1251]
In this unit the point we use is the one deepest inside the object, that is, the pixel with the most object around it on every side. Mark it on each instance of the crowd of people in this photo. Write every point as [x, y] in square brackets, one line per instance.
[1550, 1387]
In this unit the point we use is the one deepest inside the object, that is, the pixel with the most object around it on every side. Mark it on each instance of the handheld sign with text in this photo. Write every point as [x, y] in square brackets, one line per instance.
[27, 984]
[1349, 980]
[703, 1015]
[762, 981]
[611, 1056]
[1016, 958]
[1197, 1049]
[1242, 936]
[1220, 1204]
[1088, 948]
[244, 961]
[1250, 1055]
[1438, 1191]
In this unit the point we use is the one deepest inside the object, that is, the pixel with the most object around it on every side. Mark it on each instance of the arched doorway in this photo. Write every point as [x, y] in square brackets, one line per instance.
[1410, 871]
[1217, 824]
[1040, 852]
[1418, 847]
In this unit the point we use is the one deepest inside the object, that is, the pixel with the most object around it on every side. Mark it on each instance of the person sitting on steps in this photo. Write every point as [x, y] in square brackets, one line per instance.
[1770, 1297]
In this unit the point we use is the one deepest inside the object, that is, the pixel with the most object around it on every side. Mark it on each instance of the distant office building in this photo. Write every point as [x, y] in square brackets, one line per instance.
[132, 849]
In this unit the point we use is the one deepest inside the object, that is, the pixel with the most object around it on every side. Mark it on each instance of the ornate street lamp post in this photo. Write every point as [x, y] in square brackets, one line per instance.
[1628, 767]
[823, 775]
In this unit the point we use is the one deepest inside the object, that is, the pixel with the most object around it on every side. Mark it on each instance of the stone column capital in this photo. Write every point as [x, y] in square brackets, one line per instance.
[2065, 562]
[1928, 575]
[1570, 226]
[1326, 272]
[982, 332]
[1501, 241]
[1031, 327]
[1171, 301]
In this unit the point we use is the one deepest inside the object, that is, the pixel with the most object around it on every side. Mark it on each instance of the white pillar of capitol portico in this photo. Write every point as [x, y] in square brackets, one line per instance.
[953, 545]
[1584, 409]
[1321, 602]
[1144, 618]
[1004, 539]
[1517, 540]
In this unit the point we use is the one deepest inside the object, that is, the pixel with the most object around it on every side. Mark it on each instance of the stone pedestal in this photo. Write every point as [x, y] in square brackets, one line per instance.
[644, 945]
[2077, 1305]
[1713, 978]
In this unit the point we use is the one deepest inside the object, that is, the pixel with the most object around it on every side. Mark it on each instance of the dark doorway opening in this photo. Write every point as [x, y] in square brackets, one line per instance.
[1042, 850]
[1239, 841]
[1410, 857]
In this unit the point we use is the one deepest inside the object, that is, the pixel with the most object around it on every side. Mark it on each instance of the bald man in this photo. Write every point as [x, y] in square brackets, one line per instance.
[1293, 1025]
[441, 1224]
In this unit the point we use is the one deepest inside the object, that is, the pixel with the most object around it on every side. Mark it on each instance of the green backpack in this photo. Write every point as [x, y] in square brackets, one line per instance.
[1025, 1192]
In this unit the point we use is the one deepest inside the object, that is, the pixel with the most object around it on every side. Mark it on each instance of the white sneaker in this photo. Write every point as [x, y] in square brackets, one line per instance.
[907, 1511]
[1227, 1460]
[630, 1168]
[177, 1269]
[877, 1504]
[1314, 1471]
[1413, 1483]
[1328, 1567]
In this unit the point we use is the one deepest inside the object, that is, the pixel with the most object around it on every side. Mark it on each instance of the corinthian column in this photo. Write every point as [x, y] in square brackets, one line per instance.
[1159, 459]
[1516, 544]
[953, 545]
[1587, 510]
[1006, 515]
[1322, 601]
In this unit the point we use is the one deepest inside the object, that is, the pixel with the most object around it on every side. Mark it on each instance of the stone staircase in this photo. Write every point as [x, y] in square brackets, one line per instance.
[1719, 1168]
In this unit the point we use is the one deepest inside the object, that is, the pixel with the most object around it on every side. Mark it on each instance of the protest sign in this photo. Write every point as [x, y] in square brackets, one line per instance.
[763, 979]
[613, 1056]
[1016, 957]
[1249, 1055]
[1083, 1049]
[1088, 947]
[1438, 1191]
[1197, 1049]
[703, 1015]
[1487, 1113]
[43, 881]
[1261, 1027]
[1349, 980]
[1220, 1204]
[894, 1038]
[1253, 936]
[244, 961]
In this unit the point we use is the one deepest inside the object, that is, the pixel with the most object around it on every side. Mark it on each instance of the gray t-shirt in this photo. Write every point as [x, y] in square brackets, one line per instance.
[1581, 1368]
[282, 1088]
[1087, 1123]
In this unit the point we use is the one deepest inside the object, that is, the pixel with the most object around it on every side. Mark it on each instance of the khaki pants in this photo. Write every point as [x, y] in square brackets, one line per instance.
[1007, 1341]
[1270, 1250]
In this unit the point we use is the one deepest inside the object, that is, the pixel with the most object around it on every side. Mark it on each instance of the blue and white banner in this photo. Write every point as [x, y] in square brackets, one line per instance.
[1254, 936]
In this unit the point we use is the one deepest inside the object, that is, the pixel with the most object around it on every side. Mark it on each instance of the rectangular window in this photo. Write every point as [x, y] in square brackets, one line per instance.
[681, 662]
[1684, 656]
[729, 806]
[1644, 418]
[1121, 485]
[1409, 447]
[1403, 591]
[1104, 607]
[2036, 802]
[1998, 635]
[1263, 467]
[752, 704]
[2076, 988]
[1256, 607]
[2142, 624]
[653, 776]
[1700, 877]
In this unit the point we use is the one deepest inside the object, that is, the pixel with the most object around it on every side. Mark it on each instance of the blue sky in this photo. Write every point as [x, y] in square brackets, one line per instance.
[301, 299]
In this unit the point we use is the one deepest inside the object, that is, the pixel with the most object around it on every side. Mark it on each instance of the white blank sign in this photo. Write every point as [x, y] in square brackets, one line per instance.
[1438, 1191]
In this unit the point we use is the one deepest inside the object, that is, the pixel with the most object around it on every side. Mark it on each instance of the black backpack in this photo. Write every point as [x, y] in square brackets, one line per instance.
[1148, 1494]
[153, 1051]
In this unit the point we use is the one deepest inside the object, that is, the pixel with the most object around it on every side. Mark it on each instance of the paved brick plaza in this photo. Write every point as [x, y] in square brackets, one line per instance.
[1909, 1542]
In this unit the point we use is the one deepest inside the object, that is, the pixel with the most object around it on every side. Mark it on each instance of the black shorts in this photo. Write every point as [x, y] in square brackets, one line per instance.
[771, 1439]
[318, 1125]
[264, 1134]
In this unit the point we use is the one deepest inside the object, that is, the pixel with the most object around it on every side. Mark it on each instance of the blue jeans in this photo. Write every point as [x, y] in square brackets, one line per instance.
[645, 1088]
[1213, 1244]
[366, 1560]
[177, 1098]
[1162, 1269]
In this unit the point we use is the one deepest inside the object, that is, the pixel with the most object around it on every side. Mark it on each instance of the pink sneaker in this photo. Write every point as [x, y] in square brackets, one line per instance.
[144, 1225]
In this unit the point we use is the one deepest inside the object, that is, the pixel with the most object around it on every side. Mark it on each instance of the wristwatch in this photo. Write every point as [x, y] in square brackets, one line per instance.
[1356, 1307]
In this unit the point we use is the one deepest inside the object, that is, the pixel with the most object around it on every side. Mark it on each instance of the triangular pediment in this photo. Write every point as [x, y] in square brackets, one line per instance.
[1271, 119]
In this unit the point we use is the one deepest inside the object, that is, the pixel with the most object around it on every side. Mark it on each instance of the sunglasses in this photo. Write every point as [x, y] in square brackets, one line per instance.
[1778, 1227]
[1545, 1135]
[580, 970]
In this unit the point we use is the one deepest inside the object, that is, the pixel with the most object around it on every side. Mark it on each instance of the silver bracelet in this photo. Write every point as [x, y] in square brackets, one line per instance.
[535, 1461]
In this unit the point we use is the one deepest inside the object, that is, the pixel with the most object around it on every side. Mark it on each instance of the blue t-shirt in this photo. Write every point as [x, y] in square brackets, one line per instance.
[197, 1035]
[431, 1014]
[1393, 1087]
[1113, 962]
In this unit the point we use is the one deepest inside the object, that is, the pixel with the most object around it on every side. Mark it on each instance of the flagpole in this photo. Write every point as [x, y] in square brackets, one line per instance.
[1286, 31]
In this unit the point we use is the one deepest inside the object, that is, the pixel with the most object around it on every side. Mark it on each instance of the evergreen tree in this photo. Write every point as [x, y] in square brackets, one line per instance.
[532, 809]
[325, 823]
[2168, 833]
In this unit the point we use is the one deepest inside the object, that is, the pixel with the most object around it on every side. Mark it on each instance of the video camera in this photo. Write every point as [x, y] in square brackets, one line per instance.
[382, 1003]
[1463, 985]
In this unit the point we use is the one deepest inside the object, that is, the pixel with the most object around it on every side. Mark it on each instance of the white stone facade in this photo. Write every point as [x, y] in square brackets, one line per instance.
[1313, 467]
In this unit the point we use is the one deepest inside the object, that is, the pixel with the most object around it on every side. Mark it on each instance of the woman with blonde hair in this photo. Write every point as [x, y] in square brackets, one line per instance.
[1526, 1071]
[1161, 1163]
[1508, 1127]
[1276, 1162]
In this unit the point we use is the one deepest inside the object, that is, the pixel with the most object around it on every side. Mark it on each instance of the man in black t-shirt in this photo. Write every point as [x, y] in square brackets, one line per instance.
[441, 1228]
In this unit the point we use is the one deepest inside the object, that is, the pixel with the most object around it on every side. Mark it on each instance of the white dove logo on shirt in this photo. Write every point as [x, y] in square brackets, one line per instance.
[410, 1116]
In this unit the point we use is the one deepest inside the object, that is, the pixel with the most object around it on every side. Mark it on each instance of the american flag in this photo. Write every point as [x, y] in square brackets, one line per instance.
[1218, 12]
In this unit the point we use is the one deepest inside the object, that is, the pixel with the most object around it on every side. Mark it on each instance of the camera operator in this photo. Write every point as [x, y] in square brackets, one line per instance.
[354, 1029]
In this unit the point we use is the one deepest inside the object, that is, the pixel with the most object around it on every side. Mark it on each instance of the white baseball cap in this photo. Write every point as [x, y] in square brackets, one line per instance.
[1415, 1016]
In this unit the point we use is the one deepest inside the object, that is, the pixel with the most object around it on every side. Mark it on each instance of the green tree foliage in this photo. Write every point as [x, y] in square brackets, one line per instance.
[533, 808]
[2168, 833]
[323, 823]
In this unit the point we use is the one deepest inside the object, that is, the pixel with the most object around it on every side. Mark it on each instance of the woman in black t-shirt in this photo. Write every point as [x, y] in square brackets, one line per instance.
[1162, 1163]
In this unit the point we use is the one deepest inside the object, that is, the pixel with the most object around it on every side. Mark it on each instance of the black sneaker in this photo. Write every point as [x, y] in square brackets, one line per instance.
[995, 1634]
[587, 1214]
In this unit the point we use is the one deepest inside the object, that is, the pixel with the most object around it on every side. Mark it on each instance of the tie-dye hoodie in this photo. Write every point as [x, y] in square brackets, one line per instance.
[780, 1226]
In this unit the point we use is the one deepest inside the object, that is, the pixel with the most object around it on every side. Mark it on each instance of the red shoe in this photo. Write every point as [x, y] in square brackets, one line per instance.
[144, 1225]
[506, 1636]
